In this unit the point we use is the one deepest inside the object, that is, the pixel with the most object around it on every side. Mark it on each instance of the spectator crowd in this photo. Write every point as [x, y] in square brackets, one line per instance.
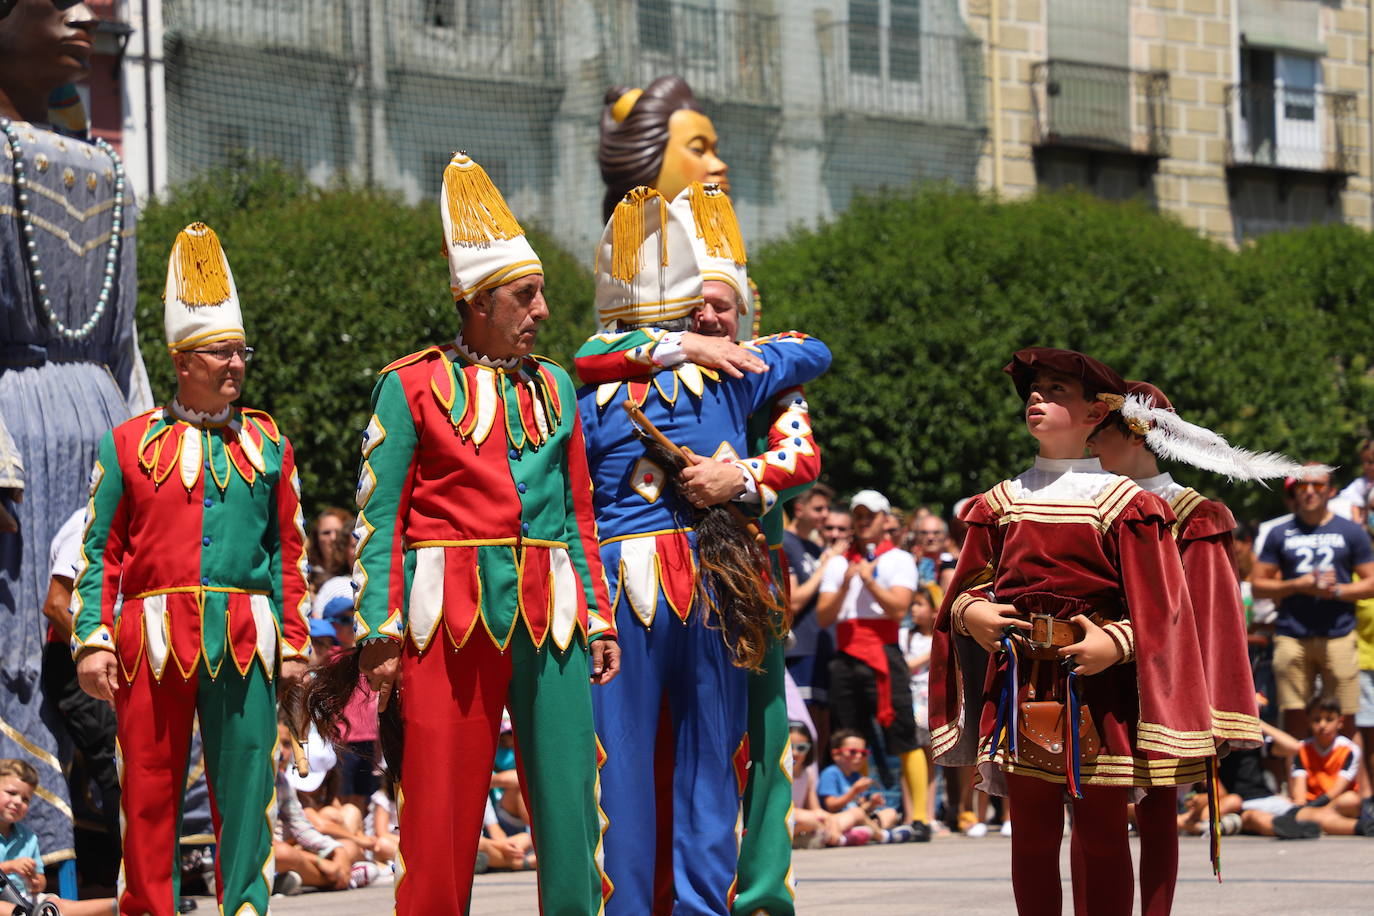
[866, 583]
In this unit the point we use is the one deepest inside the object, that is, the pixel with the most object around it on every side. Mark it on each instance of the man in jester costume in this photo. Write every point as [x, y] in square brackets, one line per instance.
[479, 580]
[786, 463]
[680, 674]
[195, 521]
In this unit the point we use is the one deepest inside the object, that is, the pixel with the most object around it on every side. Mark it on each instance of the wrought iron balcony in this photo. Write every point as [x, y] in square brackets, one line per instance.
[1304, 130]
[729, 56]
[301, 25]
[902, 74]
[1099, 107]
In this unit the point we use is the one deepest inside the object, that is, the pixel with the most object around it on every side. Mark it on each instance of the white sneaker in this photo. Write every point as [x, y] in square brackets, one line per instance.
[363, 874]
[1006, 828]
[977, 830]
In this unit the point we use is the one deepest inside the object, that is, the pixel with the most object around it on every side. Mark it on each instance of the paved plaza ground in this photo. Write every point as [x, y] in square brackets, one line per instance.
[970, 877]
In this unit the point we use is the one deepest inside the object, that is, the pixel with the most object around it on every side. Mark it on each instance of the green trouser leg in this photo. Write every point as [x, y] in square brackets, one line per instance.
[238, 725]
[551, 712]
[764, 879]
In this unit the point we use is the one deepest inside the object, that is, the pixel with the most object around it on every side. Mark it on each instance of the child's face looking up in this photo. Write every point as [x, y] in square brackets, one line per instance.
[15, 795]
[1057, 405]
[850, 756]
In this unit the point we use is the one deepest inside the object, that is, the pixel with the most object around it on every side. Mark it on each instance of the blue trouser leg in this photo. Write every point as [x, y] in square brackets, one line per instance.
[709, 701]
[627, 713]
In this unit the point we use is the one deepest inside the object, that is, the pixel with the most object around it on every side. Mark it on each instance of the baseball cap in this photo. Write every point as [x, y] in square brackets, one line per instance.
[871, 500]
[320, 758]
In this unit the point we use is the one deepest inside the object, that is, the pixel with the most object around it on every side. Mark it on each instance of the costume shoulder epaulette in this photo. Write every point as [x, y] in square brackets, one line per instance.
[426, 354]
[264, 421]
[1200, 517]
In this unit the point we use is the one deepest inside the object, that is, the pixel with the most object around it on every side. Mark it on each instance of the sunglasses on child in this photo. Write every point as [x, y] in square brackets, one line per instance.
[801, 747]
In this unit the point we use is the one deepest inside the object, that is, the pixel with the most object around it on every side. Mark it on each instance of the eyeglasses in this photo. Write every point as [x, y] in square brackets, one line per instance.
[225, 354]
[1304, 484]
[801, 747]
[854, 751]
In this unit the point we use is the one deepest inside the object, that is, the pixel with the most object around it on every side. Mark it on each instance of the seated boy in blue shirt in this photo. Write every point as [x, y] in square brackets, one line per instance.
[842, 786]
[19, 852]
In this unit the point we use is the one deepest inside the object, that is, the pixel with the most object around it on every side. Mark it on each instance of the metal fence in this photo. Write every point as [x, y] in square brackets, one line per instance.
[1312, 130]
[1095, 106]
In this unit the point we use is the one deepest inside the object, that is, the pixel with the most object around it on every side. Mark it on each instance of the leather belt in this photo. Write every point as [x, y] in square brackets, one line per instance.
[1047, 635]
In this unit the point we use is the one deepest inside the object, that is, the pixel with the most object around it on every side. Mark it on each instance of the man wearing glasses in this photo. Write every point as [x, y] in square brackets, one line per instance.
[194, 523]
[1306, 565]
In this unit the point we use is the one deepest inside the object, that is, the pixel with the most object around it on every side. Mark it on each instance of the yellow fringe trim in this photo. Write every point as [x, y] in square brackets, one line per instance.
[476, 210]
[202, 273]
[627, 233]
[716, 222]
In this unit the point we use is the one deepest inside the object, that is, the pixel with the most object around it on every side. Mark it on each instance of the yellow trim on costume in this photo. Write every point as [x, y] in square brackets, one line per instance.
[500, 277]
[632, 310]
[195, 340]
[196, 589]
[645, 534]
[15, 735]
[488, 542]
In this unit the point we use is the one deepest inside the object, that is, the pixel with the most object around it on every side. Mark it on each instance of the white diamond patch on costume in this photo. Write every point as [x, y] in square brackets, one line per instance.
[426, 595]
[485, 392]
[266, 626]
[190, 458]
[784, 458]
[725, 452]
[373, 435]
[647, 480]
[250, 448]
[367, 482]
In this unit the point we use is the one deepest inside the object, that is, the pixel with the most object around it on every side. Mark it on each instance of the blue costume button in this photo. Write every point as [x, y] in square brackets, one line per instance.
[520, 487]
[204, 580]
[208, 502]
[524, 527]
[796, 424]
[514, 454]
[796, 441]
[205, 542]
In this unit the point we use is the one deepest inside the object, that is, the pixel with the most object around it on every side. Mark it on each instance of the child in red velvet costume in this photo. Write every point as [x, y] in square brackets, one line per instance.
[1068, 575]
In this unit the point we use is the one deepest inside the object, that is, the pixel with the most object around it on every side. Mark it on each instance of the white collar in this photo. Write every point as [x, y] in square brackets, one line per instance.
[1060, 465]
[200, 417]
[1156, 483]
[482, 360]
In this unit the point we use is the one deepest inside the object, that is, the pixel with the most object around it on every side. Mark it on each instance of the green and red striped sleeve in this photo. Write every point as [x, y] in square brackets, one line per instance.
[383, 497]
[97, 582]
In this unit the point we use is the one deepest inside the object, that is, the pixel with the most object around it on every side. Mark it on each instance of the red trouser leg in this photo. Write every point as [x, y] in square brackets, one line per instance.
[451, 711]
[1103, 880]
[154, 734]
[1037, 811]
[1156, 817]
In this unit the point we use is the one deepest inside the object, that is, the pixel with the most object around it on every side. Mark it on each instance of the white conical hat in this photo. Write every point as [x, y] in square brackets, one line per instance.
[645, 269]
[718, 244]
[200, 304]
[486, 246]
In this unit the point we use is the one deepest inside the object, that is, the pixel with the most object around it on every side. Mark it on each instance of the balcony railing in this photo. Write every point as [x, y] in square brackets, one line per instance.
[310, 26]
[510, 41]
[1308, 130]
[898, 73]
[1100, 107]
[724, 55]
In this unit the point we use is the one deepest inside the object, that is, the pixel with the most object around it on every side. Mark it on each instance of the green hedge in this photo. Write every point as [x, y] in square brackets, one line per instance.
[922, 296]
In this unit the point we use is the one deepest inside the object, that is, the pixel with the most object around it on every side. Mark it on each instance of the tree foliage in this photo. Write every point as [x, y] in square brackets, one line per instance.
[335, 284]
[922, 296]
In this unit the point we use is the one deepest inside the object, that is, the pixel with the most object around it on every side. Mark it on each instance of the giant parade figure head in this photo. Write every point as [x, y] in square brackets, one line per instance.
[656, 137]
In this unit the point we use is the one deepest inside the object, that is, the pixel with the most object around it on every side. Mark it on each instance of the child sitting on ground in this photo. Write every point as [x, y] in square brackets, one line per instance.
[1326, 774]
[844, 787]
[19, 852]
[814, 826]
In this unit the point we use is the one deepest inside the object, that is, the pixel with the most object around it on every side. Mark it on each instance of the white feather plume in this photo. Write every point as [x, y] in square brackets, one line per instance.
[1174, 438]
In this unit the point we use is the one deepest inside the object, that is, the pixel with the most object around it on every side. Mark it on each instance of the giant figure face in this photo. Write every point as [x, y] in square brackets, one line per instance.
[657, 137]
[43, 44]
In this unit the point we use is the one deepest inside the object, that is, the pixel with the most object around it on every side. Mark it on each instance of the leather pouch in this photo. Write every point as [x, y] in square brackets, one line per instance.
[1041, 730]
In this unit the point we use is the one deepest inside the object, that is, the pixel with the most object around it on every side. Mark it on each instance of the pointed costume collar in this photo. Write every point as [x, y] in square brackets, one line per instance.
[479, 359]
[199, 417]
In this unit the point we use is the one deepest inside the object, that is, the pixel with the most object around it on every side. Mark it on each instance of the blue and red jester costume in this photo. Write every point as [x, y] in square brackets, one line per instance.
[647, 276]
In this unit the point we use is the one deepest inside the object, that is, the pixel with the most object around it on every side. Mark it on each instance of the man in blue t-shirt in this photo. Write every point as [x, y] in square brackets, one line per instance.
[811, 646]
[1316, 567]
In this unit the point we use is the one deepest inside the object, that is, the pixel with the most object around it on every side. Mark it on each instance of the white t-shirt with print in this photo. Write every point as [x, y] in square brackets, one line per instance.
[894, 569]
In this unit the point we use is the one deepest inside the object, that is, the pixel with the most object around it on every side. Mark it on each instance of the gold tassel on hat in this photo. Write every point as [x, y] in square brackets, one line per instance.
[716, 222]
[201, 277]
[476, 210]
[627, 232]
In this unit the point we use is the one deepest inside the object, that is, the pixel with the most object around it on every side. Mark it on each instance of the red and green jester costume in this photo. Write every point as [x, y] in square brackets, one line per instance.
[196, 525]
[478, 551]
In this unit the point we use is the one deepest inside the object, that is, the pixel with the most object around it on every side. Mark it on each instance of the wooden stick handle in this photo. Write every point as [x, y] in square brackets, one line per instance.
[653, 432]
